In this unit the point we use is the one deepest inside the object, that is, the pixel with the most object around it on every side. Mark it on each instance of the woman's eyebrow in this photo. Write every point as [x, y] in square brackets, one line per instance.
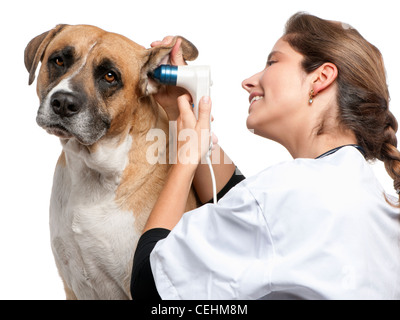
[272, 54]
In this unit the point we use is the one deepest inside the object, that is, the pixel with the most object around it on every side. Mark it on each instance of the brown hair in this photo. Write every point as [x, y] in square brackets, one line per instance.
[363, 95]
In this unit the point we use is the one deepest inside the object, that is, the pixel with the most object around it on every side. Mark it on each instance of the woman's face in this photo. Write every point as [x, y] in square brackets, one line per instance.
[279, 95]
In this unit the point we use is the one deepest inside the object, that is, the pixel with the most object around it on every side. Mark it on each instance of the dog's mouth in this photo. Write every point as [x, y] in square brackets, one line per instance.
[87, 128]
[59, 131]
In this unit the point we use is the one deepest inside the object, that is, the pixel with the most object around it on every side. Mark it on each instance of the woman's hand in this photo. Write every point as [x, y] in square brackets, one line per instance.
[193, 135]
[168, 95]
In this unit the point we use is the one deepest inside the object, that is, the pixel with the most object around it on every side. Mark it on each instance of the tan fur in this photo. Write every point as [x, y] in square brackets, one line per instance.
[61, 160]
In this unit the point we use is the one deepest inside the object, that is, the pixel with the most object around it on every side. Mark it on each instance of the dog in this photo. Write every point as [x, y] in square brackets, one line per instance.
[96, 95]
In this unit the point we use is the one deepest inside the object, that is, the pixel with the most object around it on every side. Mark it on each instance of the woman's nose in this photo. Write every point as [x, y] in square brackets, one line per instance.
[250, 83]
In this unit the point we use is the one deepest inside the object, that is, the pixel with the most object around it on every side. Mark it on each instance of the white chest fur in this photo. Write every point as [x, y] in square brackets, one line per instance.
[93, 240]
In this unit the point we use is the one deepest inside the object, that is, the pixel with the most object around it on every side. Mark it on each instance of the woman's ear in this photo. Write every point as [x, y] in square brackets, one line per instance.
[323, 77]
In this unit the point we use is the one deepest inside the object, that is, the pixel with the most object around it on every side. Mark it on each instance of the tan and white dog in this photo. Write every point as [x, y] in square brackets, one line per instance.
[95, 95]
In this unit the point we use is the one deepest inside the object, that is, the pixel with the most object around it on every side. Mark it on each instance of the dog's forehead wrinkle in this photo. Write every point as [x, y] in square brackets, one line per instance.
[92, 46]
[82, 62]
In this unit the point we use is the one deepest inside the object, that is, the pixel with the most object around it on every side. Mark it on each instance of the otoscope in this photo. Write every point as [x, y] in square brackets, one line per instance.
[196, 80]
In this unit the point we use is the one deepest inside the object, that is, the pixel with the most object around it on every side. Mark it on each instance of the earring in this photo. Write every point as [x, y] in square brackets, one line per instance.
[312, 95]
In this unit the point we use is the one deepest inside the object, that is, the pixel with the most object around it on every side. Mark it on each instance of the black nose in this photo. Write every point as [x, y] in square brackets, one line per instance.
[65, 104]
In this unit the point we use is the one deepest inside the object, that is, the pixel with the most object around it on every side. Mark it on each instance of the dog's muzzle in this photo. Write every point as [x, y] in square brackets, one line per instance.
[70, 115]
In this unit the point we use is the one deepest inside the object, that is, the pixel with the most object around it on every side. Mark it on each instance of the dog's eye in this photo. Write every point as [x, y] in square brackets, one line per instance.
[110, 77]
[59, 61]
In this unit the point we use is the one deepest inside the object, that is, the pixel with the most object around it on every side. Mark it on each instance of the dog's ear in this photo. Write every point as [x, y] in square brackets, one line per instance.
[35, 49]
[160, 55]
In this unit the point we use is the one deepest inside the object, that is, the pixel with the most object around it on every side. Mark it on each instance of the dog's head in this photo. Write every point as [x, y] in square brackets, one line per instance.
[90, 81]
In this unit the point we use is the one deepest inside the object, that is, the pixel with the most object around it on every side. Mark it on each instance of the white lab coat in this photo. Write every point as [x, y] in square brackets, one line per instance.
[302, 229]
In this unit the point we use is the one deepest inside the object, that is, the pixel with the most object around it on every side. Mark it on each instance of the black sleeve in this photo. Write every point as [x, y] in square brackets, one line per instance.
[234, 180]
[142, 281]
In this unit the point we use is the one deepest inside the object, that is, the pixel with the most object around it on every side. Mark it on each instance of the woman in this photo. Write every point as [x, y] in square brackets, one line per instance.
[317, 227]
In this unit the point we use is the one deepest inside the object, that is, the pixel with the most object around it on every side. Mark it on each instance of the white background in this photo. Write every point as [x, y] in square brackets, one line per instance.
[234, 37]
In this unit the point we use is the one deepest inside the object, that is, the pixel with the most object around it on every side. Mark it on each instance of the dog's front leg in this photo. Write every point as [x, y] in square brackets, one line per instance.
[69, 294]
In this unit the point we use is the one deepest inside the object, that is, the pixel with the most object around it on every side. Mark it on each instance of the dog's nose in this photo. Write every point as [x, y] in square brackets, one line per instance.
[65, 104]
